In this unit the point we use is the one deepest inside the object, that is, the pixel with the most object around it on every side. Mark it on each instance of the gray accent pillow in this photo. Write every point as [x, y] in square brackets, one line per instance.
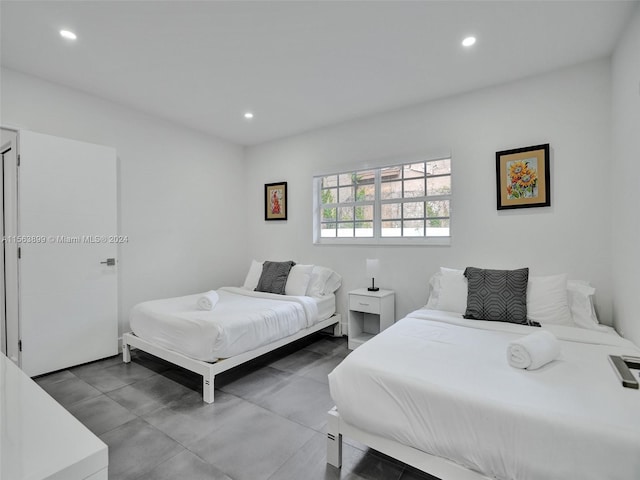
[274, 277]
[498, 295]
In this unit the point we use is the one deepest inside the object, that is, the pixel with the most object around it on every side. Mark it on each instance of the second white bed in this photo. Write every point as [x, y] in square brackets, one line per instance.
[242, 320]
[442, 384]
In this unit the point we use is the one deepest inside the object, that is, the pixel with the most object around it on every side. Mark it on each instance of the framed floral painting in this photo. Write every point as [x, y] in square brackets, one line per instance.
[522, 177]
[275, 201]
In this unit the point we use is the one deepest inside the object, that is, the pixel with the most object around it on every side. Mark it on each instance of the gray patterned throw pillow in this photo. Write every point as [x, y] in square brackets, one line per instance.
[499, 295]
[274, 277]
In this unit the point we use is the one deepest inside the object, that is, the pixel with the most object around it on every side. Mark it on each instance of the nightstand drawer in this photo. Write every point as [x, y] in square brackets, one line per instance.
[362, 303]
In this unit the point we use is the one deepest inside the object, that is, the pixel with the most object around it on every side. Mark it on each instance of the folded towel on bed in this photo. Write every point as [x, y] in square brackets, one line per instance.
[533, 351]
[208, 300]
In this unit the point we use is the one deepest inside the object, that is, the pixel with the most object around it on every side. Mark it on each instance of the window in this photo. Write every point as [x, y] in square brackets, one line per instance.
[391, 204]
[347, 201]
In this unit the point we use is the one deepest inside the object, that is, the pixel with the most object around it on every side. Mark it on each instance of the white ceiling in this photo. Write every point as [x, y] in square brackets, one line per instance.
[296, 65]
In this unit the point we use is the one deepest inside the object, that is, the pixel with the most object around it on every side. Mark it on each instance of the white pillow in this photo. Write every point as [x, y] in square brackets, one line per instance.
[435, 286]
[298, 280]
[319, 277]
[332, 284]
[451, 271]
[580, 296]
[434, 291]
[547, 300]
[253, 276]
[452, 296]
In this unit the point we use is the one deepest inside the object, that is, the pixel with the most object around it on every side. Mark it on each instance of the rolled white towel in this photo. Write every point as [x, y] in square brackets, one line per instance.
[208, 300]
[533, 351]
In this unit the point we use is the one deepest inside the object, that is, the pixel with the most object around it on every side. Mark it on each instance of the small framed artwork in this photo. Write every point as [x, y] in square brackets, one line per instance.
[522, 177]
[275, 201]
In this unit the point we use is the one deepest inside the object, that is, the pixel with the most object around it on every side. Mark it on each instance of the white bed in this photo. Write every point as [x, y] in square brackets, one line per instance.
[242, 320]
[436, 391]
[242, 325]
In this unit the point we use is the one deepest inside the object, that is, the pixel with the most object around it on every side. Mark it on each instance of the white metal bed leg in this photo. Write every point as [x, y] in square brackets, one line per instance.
[334, 439]
[126, 352]
[337, 330]
[208, 382]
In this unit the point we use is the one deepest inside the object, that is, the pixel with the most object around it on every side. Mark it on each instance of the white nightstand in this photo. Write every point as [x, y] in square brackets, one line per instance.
[369, 314]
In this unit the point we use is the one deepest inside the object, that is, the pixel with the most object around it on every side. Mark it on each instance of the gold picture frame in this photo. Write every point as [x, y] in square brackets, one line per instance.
[522, 177]
[275, 201]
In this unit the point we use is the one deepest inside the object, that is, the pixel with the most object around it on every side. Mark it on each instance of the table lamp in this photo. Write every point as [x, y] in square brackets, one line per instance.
[373, 267]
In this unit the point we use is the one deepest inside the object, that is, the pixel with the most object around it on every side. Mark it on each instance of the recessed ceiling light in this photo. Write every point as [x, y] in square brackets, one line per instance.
[248, 115]
[68, 34]
[467, 42]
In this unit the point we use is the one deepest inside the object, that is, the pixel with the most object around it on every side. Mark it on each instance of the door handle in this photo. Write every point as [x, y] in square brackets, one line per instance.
[109, 262]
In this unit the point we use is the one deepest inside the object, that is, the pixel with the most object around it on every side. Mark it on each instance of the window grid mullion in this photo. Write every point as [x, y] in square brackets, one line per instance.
[424, 202]
[377, 208]
[353, 215]
[437, 175]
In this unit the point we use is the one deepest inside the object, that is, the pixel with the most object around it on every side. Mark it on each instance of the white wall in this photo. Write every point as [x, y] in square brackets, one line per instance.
[626, 180]
[570, 109]
[180, 192]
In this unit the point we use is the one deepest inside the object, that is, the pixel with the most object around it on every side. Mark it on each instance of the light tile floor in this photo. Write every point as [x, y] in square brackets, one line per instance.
[268, 421]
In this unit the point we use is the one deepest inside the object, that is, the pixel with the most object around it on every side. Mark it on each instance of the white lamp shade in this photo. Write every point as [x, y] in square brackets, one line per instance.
[373, 267]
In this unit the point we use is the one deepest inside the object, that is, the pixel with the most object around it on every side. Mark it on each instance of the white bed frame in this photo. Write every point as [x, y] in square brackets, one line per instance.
[210, 370]
[437, 466]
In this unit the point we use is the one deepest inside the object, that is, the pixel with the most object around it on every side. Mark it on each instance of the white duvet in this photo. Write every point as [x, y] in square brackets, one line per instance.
[242, 320]
[442, 384]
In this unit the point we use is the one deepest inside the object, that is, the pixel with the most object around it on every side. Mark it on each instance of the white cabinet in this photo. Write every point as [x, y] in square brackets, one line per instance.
[39, 439]
[369, 314]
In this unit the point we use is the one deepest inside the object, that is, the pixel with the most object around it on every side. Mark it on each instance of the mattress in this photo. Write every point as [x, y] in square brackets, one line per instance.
[242, 320]
[326, 306]
[442, 384]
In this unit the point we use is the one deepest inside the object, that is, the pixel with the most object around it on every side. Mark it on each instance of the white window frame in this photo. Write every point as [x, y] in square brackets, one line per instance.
[377, 238]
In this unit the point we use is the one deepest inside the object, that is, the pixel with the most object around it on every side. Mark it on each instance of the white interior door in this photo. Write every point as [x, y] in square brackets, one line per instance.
[67, 218]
